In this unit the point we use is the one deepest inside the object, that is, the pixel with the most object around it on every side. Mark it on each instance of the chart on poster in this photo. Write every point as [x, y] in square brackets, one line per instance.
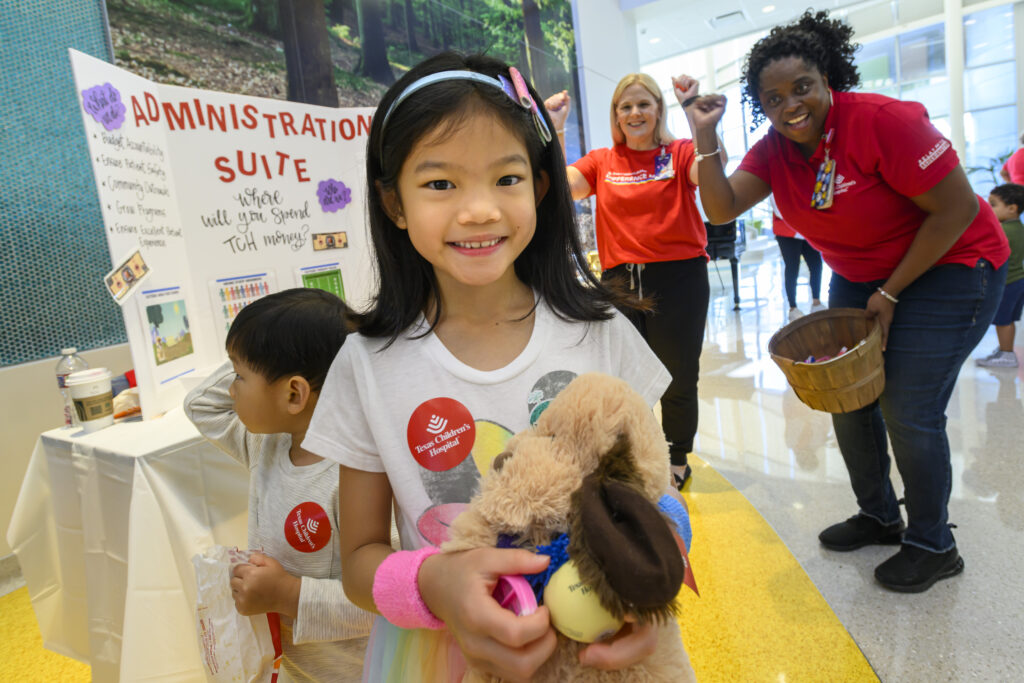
[222, 199]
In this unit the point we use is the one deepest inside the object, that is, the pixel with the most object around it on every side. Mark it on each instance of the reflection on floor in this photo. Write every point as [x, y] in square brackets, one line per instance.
[783, 457]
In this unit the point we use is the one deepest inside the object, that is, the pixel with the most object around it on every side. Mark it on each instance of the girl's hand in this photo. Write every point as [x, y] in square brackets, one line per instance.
[706, 112]
[882, 310]
[558, 106]
[685, 87]
[264, 586]
[457, 588]
[633, 643]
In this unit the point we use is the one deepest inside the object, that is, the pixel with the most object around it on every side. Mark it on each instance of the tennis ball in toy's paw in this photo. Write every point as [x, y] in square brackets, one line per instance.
[575, 610]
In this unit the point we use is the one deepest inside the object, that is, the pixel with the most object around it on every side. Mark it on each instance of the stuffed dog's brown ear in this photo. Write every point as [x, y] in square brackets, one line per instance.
[622, 545]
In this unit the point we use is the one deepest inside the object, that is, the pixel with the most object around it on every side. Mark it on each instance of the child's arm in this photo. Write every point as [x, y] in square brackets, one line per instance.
[211, 409]
[319, 607]
[456, 587]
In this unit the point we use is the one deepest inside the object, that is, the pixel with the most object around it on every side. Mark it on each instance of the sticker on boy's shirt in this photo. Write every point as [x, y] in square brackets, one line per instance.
[307, 528]
[125, 278]
[663, 169]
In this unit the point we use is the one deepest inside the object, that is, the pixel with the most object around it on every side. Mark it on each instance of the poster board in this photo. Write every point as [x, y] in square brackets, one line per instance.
[227, 198]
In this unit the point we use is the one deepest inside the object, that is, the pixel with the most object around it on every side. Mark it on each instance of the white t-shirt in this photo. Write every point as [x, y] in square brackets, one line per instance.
[432, 423]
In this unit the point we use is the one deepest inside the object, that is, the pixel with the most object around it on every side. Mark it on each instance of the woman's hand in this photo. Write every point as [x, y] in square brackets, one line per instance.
[706, 111]
[457, 588]
[882, 310]
[264, 586]
[633, 643]
[558, 108]
[685, 87]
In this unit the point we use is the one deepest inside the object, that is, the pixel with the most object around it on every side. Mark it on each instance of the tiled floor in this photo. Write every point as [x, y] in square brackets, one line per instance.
[783, 457]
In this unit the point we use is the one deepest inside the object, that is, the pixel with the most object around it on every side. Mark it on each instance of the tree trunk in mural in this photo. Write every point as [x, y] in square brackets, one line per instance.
[337, 11]
[371, 32]
[265, 17]
[537, 47]
[410, 26]
[307, 52]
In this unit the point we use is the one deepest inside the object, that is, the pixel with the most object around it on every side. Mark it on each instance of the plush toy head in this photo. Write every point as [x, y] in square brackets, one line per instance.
[593, 467]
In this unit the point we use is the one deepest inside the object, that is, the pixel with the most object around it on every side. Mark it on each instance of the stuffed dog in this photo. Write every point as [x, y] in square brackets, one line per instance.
[583, 485]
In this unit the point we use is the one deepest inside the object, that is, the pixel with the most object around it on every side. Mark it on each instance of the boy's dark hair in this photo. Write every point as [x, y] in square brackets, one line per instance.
[550, 263]
[295, 332]
[821, 42]
[1010, 193]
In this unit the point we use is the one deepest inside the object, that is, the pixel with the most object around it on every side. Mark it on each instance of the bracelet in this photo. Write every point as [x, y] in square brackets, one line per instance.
[701, 157]
[396, 592]
[688, 101]
[560, 131]
[888, 296]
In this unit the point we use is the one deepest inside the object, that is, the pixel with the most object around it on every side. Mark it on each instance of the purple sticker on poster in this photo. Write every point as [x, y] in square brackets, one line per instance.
[333, 195]
[103, 102]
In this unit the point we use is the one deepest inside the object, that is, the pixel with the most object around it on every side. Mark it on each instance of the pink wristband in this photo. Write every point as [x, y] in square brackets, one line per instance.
[397, 593]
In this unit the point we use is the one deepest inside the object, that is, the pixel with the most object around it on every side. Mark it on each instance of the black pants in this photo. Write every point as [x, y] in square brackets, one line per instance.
[675, 332]
[792, 249]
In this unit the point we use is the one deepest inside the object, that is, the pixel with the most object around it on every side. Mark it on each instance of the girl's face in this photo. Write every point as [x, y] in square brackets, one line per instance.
[469, 202]
[795, 99]
[636, 114]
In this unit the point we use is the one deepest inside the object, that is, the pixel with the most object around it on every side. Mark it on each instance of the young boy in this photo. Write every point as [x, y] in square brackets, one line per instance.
[1007, 201]
[256, 408]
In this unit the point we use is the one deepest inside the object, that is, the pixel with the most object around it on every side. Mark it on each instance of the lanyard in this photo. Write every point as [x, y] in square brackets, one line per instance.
[825, 181]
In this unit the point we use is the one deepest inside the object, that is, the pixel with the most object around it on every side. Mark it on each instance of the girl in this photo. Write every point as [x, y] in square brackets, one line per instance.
[482, 315]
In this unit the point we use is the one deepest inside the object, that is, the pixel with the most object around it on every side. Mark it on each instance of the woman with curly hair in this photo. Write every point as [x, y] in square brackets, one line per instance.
[880, 193]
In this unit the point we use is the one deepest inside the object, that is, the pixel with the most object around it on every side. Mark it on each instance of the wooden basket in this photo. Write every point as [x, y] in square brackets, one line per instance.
[842, 384]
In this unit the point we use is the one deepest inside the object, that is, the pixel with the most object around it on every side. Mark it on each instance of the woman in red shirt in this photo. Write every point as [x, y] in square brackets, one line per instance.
[651, 236]
[1013, 170]
[880, 193]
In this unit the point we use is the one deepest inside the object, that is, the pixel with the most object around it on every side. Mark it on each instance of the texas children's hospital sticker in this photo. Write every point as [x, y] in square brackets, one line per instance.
[441, 433]
[307, 528]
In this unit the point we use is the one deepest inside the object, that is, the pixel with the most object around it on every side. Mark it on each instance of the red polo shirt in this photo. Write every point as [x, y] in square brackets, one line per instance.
[886, 151]
[1015, 167]
[641, 217]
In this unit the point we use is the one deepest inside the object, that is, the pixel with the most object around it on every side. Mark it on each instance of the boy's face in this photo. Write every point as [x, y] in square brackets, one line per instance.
[1004, 212]
[257, 402]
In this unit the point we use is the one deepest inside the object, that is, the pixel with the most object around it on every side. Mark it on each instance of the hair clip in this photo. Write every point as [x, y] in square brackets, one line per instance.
[526, 100]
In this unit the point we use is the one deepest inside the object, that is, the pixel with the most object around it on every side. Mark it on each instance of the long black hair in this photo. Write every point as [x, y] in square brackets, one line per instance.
[552, 263]
[293, 332]
[821, 42]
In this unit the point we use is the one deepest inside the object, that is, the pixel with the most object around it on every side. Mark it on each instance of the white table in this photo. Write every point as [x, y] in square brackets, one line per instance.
[104, 529]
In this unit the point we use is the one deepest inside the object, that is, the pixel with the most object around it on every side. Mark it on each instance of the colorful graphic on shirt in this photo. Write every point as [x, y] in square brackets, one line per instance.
[545, 389]
[435, 522]
[441, 433]
[491, 438]
[307, 528]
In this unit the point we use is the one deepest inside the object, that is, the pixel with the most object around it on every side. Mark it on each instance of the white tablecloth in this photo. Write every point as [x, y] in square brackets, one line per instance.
[104, 529]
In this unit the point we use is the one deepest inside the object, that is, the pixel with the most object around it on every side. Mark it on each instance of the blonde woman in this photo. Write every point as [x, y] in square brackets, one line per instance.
[651, 237]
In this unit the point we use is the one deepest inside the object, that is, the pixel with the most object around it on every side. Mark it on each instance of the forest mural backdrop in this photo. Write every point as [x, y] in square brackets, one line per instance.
[338, 52]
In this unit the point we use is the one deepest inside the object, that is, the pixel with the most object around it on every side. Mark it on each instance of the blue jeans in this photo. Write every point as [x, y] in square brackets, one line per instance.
[940, 318]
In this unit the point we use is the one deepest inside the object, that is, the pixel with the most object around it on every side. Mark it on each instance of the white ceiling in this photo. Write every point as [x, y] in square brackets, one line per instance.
[670, 27]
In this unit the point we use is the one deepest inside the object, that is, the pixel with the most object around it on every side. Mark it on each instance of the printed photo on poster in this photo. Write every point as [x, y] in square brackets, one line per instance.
[168, 332]
[326, 277]
[126, 277]
[229, 295]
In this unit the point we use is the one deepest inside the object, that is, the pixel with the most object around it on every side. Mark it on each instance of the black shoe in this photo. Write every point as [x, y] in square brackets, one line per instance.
[913, 569]
[859, 531]
[679, 480]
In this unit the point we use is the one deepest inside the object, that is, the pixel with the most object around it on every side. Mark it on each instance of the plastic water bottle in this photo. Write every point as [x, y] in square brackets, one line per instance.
[69, 362]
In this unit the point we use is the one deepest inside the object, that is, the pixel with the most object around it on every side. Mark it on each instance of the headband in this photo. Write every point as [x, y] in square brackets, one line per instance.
[516, 90]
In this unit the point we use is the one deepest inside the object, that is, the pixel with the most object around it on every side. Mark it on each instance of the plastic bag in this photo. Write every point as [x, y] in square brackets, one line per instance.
[233, 647]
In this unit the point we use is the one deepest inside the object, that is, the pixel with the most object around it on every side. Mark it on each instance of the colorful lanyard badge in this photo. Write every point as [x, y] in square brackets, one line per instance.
[663, 166]
[825, 181]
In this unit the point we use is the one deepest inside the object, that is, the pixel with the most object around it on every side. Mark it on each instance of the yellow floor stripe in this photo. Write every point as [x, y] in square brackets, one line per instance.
[759, 617]
[22, 657]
